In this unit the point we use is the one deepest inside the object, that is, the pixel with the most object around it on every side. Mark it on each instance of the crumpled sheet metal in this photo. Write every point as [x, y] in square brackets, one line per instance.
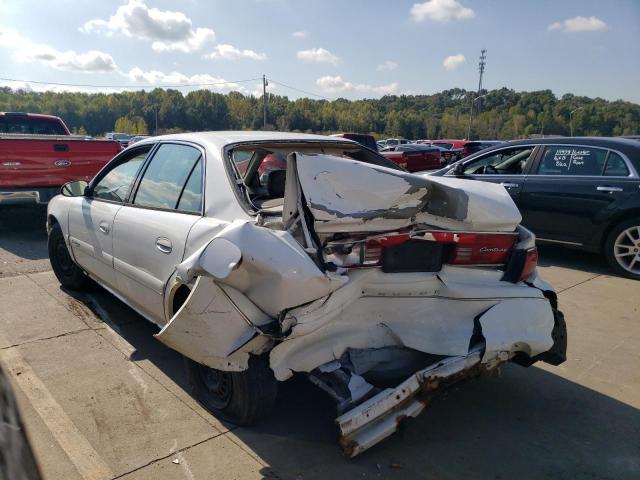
[350, 196]
[274, 271]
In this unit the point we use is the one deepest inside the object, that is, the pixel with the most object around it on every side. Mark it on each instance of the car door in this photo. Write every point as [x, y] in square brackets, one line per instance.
[91, 217]
[573, 188]
[150, 231]
[505, 166]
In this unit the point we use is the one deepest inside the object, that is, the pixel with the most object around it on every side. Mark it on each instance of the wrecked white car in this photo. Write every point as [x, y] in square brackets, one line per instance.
[382, 286]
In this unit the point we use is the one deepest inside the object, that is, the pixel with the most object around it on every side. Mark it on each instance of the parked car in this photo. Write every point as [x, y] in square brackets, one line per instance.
[38, 155]
[362, 138]
[475, 146]
[582, 192]
[136, 139]
[389, 142]
[380, 285]
[456, 147]
[123, 138]
[415, 157]
[381, 144]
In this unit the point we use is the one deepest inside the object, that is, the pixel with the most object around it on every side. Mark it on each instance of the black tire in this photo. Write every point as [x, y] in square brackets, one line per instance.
[68, 273]
[239, 397]
[610, 248]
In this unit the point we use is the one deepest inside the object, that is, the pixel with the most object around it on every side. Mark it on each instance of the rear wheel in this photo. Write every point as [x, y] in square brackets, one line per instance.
[622, 248]
[239, 397]
[68, 273]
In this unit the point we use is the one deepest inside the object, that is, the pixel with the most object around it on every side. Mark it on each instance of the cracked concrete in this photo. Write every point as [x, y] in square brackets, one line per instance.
[125, 393]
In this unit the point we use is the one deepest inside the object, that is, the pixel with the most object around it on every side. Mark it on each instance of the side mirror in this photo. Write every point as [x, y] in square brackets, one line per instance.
[77, 188]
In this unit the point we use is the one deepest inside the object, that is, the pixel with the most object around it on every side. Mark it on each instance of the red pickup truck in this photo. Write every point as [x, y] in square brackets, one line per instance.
[38, 155]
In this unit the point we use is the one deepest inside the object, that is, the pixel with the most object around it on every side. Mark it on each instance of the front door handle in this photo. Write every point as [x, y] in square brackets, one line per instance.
[607, 188]
[510, 185]
[163, 244]
[104, 227]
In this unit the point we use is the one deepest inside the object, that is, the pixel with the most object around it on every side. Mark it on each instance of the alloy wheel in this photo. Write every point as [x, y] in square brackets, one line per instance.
[626, 249]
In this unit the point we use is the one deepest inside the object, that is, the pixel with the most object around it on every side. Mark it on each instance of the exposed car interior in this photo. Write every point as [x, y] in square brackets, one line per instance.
[260, 170]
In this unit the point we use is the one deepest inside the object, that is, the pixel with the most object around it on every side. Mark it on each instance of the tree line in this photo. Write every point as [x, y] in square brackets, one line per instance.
[499, 114]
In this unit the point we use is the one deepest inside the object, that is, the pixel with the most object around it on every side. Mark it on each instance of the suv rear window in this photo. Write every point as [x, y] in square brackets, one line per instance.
[31, 126]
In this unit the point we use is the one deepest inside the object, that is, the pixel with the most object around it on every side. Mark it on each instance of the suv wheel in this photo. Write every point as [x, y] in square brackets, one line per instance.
[239, 397]
[622, 248]
[68, 273]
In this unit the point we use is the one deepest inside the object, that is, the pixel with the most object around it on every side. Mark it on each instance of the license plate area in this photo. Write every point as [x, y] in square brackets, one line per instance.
[414, 256]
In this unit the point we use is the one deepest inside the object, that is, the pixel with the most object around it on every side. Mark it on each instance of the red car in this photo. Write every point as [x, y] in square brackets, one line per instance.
[415, 157]
[38, 155]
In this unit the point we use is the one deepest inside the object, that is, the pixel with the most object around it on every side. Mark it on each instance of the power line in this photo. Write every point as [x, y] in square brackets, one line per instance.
[231, 82]
[300, 90]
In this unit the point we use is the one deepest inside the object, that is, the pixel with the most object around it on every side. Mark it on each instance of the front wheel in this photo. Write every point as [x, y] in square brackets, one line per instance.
[239, 397]
[622, 248]
[68, 273]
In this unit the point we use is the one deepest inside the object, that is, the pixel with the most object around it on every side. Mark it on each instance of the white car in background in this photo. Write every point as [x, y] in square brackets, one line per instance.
[381, 285]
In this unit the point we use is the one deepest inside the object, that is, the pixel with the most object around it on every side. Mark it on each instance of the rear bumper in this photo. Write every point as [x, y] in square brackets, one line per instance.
[380, 416]
[27, 196]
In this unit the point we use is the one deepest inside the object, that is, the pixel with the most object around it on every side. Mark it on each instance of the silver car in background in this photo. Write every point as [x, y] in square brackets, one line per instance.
[382, 286]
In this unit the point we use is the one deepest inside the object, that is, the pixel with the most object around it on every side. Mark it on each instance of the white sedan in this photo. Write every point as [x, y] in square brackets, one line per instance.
[263, 254]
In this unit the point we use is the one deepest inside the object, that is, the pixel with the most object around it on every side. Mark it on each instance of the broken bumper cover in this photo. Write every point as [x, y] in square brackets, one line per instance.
[380, 416]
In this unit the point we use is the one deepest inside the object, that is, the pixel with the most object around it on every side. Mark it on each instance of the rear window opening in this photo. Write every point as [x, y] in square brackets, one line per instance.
[26, 125]
[260, 170]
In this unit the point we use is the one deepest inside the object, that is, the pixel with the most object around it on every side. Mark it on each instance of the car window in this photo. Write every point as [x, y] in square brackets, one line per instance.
[443, 145]
[616, 166]
[569, 160]
[191, 198]
[116, 185]
[507, 161]
[164, 179]
[31, 125]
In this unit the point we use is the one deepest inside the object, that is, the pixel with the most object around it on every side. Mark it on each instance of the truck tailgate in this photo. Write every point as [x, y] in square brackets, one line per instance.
[51, 161]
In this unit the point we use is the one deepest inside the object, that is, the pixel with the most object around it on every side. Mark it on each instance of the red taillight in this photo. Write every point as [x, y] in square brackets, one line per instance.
[464, 248]
[530, 264]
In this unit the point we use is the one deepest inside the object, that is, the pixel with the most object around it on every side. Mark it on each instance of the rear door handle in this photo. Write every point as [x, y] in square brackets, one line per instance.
[510, 185]
[607, 188]
[104, 227]
[163, 244]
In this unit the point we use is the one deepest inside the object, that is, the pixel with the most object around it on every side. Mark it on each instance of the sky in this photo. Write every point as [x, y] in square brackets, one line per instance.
[323, 49]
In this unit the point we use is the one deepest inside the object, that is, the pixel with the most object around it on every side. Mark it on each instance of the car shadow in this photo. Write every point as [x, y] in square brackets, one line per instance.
[23, 232]
[526, 423]
[564, 257]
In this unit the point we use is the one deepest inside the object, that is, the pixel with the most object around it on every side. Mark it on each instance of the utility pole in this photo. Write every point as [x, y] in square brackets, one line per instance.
[481, 65]
[155, 109]
[264, 101]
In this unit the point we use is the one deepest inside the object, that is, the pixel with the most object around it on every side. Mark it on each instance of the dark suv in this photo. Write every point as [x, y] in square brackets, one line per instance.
[582, 192]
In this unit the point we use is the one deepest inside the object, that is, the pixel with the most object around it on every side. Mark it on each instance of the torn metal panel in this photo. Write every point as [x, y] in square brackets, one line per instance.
[348, 196]
[523, 325]
[209, 327]
[380, 416]
[273, 270]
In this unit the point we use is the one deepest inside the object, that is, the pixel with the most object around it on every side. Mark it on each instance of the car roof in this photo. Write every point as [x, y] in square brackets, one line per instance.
[625, 145]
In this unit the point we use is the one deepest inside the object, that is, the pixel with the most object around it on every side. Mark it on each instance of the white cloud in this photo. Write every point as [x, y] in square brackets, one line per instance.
[387, 66]
[318, 55]
[155, 77]
[300, 34]
[337, 84]
[454, 61]
[229, 52]
[24, 50]
[440, 11]
[579, 24]
[168, 30]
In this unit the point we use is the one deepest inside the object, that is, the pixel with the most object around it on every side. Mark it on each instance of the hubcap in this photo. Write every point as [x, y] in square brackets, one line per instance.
[218, 385]
[626, 249]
